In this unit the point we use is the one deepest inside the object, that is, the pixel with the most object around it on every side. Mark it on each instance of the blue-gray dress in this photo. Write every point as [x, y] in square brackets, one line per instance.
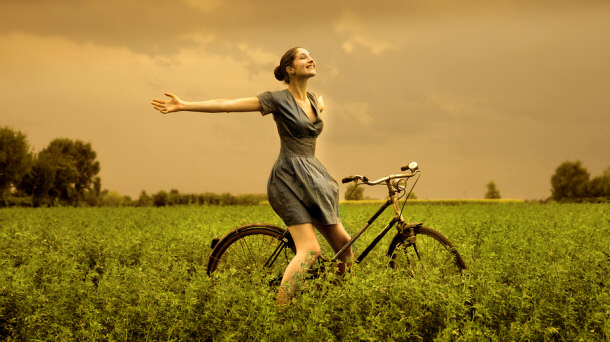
[300, 189]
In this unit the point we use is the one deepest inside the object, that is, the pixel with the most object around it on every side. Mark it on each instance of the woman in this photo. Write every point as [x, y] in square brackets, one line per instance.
[300, 189]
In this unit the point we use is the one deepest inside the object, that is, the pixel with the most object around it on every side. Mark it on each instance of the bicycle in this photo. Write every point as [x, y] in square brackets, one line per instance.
[264, 250]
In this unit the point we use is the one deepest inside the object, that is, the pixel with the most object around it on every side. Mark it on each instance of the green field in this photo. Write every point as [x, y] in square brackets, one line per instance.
[536, 272]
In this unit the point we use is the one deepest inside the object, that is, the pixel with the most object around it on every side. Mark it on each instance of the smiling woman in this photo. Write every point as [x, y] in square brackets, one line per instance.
[300, 189]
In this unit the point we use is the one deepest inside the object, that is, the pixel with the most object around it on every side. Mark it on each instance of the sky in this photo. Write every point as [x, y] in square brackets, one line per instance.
[474, 91]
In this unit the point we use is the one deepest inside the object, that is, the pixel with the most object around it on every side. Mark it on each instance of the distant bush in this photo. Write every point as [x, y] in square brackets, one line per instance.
[15, 201]
[115, 199]
[492, 191]
[354, 193]
[160, 199]
[163, 198]
[144, 200]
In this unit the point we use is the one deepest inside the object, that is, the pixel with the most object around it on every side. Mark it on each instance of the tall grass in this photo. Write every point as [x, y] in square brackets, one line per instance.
[536, 272]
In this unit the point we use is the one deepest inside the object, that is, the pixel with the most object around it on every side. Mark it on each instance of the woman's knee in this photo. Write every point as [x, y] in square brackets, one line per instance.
[305, 240]
[310, 253]
[336, 235]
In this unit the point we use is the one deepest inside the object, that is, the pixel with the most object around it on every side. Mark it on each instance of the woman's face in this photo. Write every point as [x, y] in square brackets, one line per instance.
[303, 64]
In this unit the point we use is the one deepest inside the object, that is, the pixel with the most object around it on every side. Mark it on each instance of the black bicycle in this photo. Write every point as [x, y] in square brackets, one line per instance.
[262, 250]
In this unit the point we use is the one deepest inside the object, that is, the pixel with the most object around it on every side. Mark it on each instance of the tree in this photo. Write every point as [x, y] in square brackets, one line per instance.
[65, 170]
[39, 182]
[492, 191]
[160, 199]
[15, 160]
[92, 197]
[600, 185]
[66, 174]
[111, 199]
[173, 198]
[83, 167]
[354, 193]
[570, 181]
[144, 200]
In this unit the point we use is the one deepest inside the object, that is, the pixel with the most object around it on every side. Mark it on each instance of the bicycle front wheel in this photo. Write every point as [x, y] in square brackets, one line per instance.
[428, 251]
[260, 251]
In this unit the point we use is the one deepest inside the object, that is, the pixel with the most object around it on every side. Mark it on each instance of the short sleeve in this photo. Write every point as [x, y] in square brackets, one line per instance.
[267, 103]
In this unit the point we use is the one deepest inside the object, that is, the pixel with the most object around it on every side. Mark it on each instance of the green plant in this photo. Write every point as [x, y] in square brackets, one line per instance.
[536, 272]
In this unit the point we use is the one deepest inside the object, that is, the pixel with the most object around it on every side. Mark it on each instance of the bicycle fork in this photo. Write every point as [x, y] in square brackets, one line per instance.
[408, 231]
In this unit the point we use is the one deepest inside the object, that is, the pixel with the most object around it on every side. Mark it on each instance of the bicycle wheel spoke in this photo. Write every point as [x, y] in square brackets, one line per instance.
[252, 259]
[431, 253]
[246, 251]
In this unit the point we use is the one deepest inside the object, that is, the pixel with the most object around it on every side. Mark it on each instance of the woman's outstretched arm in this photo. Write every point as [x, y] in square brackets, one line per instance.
[175, 104]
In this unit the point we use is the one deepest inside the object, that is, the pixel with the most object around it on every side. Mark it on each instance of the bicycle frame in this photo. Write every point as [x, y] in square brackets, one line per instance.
[392, 185]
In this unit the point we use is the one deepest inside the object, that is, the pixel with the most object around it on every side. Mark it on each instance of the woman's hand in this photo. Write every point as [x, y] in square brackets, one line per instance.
[168, 106]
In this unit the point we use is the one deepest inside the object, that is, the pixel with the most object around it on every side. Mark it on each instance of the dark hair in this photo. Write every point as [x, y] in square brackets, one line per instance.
[286, 61]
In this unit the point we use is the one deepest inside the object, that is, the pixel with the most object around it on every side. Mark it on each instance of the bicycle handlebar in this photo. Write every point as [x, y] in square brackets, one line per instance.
[380, 180]
[353, 178]
[412, 166]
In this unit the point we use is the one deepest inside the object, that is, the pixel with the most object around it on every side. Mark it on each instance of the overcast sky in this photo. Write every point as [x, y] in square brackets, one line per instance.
[470, 90]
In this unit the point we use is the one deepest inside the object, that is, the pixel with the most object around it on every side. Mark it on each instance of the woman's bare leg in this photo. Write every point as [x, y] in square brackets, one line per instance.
[308, 251]
[337, 237]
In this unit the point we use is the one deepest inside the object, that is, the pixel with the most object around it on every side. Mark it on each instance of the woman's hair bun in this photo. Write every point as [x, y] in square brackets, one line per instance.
[286, 61]
[279, 75]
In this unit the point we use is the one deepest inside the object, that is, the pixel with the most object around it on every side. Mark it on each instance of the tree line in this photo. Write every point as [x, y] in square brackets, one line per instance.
[571, 182]
[66, 173]
[174, 197]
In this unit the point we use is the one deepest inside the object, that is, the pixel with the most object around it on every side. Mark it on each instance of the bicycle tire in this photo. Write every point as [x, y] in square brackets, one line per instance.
[435, 253]
[244, 251]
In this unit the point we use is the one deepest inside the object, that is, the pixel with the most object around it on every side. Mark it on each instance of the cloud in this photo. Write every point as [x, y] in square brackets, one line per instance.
[258, 55]
[358, 34]
[153, 27]
[157, 27]
[375, 47]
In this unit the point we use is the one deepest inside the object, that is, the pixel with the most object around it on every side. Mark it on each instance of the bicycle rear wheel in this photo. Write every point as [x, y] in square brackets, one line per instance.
[427, 253]
[255, 251]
